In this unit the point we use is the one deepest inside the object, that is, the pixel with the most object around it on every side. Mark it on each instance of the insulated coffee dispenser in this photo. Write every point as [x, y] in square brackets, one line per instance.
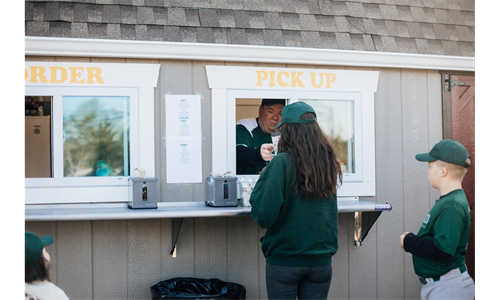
[221, 191]
[142, 193]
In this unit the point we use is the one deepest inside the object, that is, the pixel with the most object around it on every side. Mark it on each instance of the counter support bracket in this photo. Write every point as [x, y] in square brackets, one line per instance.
[363, 222]
[176, 228]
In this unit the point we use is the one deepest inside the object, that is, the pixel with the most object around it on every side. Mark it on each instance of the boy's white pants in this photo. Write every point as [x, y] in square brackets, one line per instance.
[452, 285]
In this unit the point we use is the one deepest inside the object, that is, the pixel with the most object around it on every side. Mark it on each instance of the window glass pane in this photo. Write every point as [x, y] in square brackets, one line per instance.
[96, 136]
[336, 119]
[37, 137]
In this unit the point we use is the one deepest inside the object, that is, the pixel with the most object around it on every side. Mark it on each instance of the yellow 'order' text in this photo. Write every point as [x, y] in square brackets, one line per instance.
[292, 79]
[56, 74]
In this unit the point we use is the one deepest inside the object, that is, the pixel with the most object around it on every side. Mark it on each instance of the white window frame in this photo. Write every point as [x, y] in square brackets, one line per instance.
[57, 94]
[140, 90]
[224, 93]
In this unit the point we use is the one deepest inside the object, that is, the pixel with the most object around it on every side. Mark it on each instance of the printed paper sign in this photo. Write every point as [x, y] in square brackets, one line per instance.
[183, 137]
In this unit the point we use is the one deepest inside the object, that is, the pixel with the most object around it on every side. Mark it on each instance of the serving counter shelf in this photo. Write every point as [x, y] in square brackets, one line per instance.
[365, 213]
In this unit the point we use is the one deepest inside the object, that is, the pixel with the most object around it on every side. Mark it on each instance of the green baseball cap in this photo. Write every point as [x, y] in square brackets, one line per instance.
[33, 247]
[291, 114]
[449, 151]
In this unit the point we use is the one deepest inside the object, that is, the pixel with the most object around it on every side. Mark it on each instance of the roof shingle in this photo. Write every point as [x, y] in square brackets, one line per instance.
[410, 26]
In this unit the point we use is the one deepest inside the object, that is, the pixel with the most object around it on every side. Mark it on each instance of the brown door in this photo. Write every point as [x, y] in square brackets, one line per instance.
[462, 130]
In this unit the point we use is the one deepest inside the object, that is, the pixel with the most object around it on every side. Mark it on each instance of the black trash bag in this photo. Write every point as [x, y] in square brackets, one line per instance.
[196, 288]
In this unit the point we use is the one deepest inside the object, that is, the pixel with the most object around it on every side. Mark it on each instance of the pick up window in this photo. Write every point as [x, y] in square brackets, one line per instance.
[345, 114]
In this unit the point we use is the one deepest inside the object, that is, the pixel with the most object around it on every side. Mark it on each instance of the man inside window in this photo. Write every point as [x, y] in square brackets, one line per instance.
[253, 137]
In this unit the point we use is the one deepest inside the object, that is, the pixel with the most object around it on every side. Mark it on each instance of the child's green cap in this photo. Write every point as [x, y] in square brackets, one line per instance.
[291, 114]
[449, 151]
[33, 246]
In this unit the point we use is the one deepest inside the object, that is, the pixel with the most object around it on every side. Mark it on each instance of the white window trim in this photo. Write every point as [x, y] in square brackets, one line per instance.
[229, 83]
[139, 81]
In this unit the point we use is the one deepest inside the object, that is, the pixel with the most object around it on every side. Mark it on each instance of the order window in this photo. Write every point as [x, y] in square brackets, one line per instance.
[80, 138]
[89, 127]
[92, 132]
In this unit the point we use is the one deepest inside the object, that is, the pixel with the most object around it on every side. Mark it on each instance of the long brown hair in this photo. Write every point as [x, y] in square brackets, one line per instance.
[317, 171]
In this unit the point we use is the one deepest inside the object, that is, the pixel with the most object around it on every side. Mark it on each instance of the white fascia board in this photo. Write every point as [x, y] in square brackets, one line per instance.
[46, 46]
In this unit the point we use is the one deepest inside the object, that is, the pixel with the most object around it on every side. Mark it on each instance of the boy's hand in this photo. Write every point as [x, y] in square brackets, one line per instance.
[401, 240]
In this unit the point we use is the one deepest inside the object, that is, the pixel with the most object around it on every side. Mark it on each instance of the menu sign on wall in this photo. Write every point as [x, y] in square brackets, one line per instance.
[183, 138]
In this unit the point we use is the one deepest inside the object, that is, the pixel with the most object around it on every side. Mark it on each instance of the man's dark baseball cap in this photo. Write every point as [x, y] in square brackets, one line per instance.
[449, 151]
[291, 114]
[269, 102]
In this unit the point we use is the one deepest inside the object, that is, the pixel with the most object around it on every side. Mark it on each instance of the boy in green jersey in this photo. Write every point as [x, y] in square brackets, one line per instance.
[440, 245]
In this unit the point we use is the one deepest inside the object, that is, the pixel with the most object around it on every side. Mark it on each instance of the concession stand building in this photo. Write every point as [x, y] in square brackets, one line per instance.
[118, 90]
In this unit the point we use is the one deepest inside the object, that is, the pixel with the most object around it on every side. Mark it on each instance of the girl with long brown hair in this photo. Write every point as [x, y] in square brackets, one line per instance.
[295, 198]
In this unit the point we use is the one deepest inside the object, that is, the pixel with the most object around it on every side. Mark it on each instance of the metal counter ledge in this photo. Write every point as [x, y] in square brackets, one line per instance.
[197, 209]
[365, 212]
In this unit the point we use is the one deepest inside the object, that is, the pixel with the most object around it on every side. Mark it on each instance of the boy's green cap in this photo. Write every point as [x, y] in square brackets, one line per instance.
[449, 151]
[33, 247]
[291, 114]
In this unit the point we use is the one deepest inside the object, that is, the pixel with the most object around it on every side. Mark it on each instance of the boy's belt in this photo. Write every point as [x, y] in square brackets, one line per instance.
[453, 273]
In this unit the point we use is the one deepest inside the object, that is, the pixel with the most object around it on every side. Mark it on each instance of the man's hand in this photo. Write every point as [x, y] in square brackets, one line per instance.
[401, 240]
[265, 151]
